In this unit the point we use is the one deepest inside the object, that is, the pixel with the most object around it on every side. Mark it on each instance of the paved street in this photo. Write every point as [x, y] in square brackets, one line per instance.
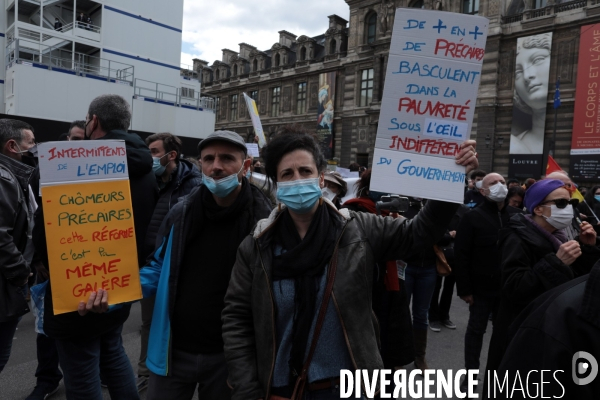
[445, 351]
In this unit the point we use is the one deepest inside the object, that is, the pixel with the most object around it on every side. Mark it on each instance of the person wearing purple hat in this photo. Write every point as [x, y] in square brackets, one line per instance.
[536, 256]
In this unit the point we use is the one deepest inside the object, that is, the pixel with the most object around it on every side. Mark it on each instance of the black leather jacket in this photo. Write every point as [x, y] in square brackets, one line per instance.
[16, 222]
[249, 314]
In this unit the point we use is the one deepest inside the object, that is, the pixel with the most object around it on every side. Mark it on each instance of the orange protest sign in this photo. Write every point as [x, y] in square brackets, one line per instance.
[91, 242]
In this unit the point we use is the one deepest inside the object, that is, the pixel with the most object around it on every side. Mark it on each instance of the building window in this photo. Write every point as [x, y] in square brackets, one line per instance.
[217, 75]
[366, 87]
[472, 6]
[332, 46]
[254, 95]
[539, 3]
[277, 60]
[301, 98]
[371, 28]
[275, 96]
[303, 53]
[418, 4]
[235, 70]
[234, 107]
[187, 92]
[362, 159]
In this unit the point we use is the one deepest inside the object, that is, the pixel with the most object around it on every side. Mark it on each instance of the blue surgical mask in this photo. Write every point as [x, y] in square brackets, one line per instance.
[223, 187]
[248, 174]
[157, 167]
[299, 196]
[597, 197]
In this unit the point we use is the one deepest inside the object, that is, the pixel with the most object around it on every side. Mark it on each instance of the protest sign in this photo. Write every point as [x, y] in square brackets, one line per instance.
[253, 111]
[88, 220]
[428, 103]
[252, 149]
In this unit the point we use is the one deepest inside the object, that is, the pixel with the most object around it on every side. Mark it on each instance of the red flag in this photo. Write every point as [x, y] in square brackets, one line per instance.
[552, 166]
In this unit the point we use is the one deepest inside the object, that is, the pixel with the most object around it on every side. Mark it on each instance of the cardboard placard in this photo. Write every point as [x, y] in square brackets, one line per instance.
[252, 149]
[88, 214]
[255, 120]
[428, 104]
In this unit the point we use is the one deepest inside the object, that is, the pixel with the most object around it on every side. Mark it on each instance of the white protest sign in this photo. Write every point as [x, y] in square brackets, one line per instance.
[346, 173]
[82, 161]
[255, 120]
[252, 149]
[428, 104]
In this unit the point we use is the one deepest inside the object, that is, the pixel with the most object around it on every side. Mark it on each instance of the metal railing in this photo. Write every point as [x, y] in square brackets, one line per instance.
[81, 64]
[547, 11]
[187, 71]
[80, 25]
[171, 94]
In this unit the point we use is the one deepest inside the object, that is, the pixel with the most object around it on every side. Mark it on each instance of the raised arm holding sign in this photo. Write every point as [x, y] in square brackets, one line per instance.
[428, 104]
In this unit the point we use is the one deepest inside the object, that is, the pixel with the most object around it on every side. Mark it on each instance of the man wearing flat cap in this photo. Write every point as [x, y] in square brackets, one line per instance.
[189, 273]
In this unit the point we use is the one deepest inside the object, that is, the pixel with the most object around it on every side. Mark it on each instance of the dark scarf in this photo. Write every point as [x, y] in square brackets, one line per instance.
[304, 260]
[556, 238]
[205, 206]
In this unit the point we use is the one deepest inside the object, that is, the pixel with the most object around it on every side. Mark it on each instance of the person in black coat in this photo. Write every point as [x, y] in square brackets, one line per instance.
[176, 178]
[439, 309]
[390, 304]
[477, 265]
[557, 332]
[591, 207]
[82, 341]
[536, 256]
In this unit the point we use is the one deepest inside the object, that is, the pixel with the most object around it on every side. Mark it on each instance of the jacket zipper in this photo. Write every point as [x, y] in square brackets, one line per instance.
[272, 320]
[179, 256]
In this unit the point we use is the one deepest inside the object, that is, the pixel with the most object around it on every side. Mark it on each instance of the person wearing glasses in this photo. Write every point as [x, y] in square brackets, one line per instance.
[537, 256]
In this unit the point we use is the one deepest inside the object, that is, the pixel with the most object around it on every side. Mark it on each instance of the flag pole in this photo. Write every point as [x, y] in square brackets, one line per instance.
[556, 105]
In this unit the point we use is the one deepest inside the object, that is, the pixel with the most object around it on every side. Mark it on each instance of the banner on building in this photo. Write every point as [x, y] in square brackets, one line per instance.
[428, 104]
[325, 110]
[253, 111]
[90, 233]
[585, 142]
[530, 100]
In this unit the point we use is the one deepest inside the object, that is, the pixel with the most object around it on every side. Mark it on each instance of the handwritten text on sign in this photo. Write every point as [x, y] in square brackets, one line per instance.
[63, 162]
[91, 242]
[429, 98]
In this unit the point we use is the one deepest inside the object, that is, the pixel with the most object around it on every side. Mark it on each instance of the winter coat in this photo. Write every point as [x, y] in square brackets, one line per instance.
[185, 178]
[476, 256]
[161, 276]
[548, 334]
[143, 187]
[529, 268]
[249, 314]
[16, 222]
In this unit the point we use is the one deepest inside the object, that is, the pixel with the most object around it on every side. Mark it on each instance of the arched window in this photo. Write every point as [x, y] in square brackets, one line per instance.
[217, 75]
[371, 27]
[277, 60]
[255, 65]
[303, 53]
[417, 4]
[235, 70]
[332, 46]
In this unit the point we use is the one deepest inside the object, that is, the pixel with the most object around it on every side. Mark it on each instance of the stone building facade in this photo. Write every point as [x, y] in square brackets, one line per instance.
[284, 80]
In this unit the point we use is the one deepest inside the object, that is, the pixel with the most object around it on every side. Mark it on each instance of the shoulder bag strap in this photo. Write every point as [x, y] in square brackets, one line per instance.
[301, 381]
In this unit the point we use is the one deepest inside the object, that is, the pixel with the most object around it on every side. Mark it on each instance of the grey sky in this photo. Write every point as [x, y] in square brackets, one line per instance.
[209, 26]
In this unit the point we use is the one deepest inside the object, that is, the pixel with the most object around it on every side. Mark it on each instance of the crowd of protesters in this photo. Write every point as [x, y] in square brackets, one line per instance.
[250, 296]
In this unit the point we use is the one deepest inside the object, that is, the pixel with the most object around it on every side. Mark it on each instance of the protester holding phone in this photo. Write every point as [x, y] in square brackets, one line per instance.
[536, 255]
